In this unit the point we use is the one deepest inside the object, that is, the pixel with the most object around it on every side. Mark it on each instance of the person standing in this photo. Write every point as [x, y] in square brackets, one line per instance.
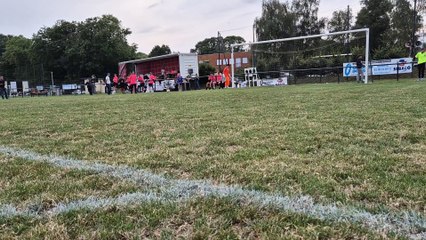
[210, 81]
[188, 83]
[215, 79]
[132, 83]
[108, 84]
[115, 81]
[227, 77]
[122, 84]
[197, 82]
[421, 62]
[141, 82]
[219, 80]
[3, 91]
[360, 73]
[151, 82]
[93, 83]
[179, 81]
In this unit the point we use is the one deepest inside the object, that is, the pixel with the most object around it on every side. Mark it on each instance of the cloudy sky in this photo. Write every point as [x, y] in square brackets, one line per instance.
[177, 23]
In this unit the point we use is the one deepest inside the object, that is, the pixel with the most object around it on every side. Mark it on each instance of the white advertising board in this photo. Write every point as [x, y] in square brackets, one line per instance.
[159, 86]
[275, 82]
[381, 67]
[392, 66]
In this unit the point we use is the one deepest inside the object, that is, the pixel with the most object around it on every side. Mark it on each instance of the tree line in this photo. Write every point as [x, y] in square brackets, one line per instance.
[390, 22]
[71, 50]
[79, 49]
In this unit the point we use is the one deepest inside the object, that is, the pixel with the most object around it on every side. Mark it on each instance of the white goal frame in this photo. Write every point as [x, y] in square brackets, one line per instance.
[367, 47]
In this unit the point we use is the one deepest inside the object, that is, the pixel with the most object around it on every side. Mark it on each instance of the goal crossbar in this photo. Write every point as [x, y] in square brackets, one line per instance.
[367, 46]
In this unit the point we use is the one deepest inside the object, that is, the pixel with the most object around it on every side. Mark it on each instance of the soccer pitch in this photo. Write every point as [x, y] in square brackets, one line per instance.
[309, 161]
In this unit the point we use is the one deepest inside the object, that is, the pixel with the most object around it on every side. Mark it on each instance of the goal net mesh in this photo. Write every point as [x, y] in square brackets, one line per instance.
[312, 60]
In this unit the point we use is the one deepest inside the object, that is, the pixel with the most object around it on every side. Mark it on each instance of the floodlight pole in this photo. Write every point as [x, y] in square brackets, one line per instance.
[367, 47]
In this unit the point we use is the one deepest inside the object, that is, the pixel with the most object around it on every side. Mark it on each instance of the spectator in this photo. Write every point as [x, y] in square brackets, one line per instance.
[3, 91]
[421, 61]
[360, 73]
[179, 81]
[93, 83]
[141, 82]
[122, 84]
[219, 80]
[151, 82]
[197, 82]
[210, 80]
[132, 83]
[108, 84]
[115, 80]
[227, 77]
[188, 83]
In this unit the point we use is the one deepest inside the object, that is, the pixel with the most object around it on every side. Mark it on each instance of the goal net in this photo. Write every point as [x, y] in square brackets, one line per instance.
[303, 59]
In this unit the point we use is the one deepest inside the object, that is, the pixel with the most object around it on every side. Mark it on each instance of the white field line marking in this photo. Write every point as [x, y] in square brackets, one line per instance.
[92, 202]
[406, 223]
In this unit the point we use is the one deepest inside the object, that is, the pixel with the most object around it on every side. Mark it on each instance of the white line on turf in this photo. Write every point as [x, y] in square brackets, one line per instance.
[410, 224]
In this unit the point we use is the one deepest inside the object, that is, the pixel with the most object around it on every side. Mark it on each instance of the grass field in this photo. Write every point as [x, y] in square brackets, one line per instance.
[346, 145]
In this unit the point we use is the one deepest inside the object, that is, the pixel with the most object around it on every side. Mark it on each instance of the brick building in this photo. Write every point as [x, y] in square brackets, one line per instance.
[242, 60]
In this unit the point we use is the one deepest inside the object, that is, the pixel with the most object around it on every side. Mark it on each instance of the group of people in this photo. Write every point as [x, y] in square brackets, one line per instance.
[215, 81]
[187, 83]
[134, 83]
[219, 80]
[145, 83]
[3, 90]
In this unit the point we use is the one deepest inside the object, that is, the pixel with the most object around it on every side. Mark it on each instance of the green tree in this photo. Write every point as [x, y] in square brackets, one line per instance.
[277, 21]
[341, 20]
[102, 43]
[3, 41]
[18, 56]
[141, 55]
[53, 48]
[76, 49]
[5, 69]
[401, 29]
[206, 69]
[229, 40]
[160, 50]
[211, 45]
[307, 17]
[308, 23]
[375, 15]
[207, 46]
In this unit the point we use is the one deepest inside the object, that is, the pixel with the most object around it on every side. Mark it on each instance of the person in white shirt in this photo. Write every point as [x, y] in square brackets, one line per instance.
[108, 84]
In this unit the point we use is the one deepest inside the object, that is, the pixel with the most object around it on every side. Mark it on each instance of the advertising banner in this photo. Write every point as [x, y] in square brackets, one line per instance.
[381, 67]
[275, 82]
[392, 66]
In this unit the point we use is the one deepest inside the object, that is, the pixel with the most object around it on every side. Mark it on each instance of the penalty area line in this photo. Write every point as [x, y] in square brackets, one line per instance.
[407, 223]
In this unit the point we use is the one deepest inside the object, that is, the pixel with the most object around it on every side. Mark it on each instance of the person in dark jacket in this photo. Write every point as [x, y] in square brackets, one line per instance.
[360, 73]
[179, 81]
[3, 91]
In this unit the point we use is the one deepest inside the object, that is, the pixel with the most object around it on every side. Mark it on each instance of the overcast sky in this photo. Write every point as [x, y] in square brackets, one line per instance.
[177, 23]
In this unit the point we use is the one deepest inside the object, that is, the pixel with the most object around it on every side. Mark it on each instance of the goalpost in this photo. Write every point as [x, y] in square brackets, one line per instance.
[367, 47]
